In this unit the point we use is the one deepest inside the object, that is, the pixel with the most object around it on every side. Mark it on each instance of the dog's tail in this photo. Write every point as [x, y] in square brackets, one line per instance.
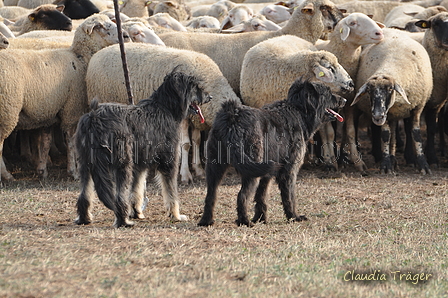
[232, 115]
[94, 159]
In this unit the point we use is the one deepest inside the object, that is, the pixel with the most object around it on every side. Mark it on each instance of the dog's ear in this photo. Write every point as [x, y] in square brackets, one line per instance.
[302, 95]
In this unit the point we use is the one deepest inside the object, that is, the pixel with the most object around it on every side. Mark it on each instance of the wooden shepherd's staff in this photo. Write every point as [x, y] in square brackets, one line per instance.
[123, 54]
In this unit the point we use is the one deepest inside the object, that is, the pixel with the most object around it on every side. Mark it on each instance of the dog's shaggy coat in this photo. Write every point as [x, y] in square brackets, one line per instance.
[118, 144]
[267, 142]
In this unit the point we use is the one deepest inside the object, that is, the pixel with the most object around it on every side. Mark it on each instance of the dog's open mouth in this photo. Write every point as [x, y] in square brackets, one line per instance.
[334, 114]
[197, 110]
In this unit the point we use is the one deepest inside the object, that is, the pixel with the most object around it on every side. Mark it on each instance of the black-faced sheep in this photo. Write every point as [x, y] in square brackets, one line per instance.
[78, 9]
[44, 17]
[309, 21]
[147, 66]
[345, 42]
[27, 100]
[435, 42]
[394, 82]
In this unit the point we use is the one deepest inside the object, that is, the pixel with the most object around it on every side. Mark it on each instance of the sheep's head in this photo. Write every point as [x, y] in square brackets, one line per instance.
[381, 91]
[101, 29]
[359, 29]
[330, 14]
[139, 32]
[438, 24]
[327, 69]
[50, 17]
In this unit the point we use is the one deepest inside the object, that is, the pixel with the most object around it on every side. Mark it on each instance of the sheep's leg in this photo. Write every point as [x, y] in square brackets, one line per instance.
[418, 143]
[386, 162]
[431, 130]
[260, 200]
[185, 175]
[286, 179]
[326, 133]
[3, 171]
[248, 185]
[351, 141]
[44, 139]
[138, 193]
[196, 163]
[72, 163]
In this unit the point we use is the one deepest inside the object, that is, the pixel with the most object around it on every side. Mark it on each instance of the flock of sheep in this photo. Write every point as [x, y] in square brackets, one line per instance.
[389, 59]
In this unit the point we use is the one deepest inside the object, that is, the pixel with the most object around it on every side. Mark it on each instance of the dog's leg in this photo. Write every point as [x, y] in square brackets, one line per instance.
[247, 189]
[196, 163]
[169, 192]
[185, 175]
[213, 176]
[260, 200]
[85, 199]
[138, 193]
[286, 179]
[122, 204]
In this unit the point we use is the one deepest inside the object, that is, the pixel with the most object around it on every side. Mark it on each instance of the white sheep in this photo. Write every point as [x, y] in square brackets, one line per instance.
[276, 13]
[345, 42]
[139, 32]
[220, 9]
[135, 8]
[147, 66]
[165, 20]
[308, 21]
[378, 9]
[32, 4]
[435, 41]
[257, 23]
[203, 22]
[396, 76]
[53, 87]
[14, 12]
[270, 67]
[237, 15]
[175, 8]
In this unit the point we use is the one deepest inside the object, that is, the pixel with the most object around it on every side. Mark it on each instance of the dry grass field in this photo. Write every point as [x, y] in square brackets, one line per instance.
[391, 229]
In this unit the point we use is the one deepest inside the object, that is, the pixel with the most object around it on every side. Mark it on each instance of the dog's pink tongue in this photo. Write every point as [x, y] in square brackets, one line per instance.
[338, 117]
[199, 112]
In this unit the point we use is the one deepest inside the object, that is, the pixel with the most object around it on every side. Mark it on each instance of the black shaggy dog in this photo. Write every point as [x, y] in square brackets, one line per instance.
[118, 144]
[267, 142]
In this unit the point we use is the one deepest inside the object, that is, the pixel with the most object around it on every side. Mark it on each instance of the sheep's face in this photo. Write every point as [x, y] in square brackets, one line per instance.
[329, 71]
[102, 30]
[50, 17]
[381, 91]
[331, 15]
[359, 29]
[438, 24]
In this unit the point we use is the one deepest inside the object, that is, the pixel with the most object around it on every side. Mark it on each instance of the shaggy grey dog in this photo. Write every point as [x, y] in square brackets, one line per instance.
[268, 142]
[118, 144]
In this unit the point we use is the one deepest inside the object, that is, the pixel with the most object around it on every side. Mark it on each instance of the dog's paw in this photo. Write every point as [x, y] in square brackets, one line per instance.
[205, 223]
[82, 221]
[300, 218]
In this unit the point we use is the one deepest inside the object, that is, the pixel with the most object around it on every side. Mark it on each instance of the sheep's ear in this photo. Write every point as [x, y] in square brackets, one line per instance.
[345, 32]
[411, 14]
[170, 3]
[308, 9]
[361, 92]
[281, 3]
[400, 90]
[235, 29]
[423, 24]
[323, 74]
[225, 24]
[147, 3]
[381, 25]
[344, 11]
[32, 16]
[88, 28]
[60, 7]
